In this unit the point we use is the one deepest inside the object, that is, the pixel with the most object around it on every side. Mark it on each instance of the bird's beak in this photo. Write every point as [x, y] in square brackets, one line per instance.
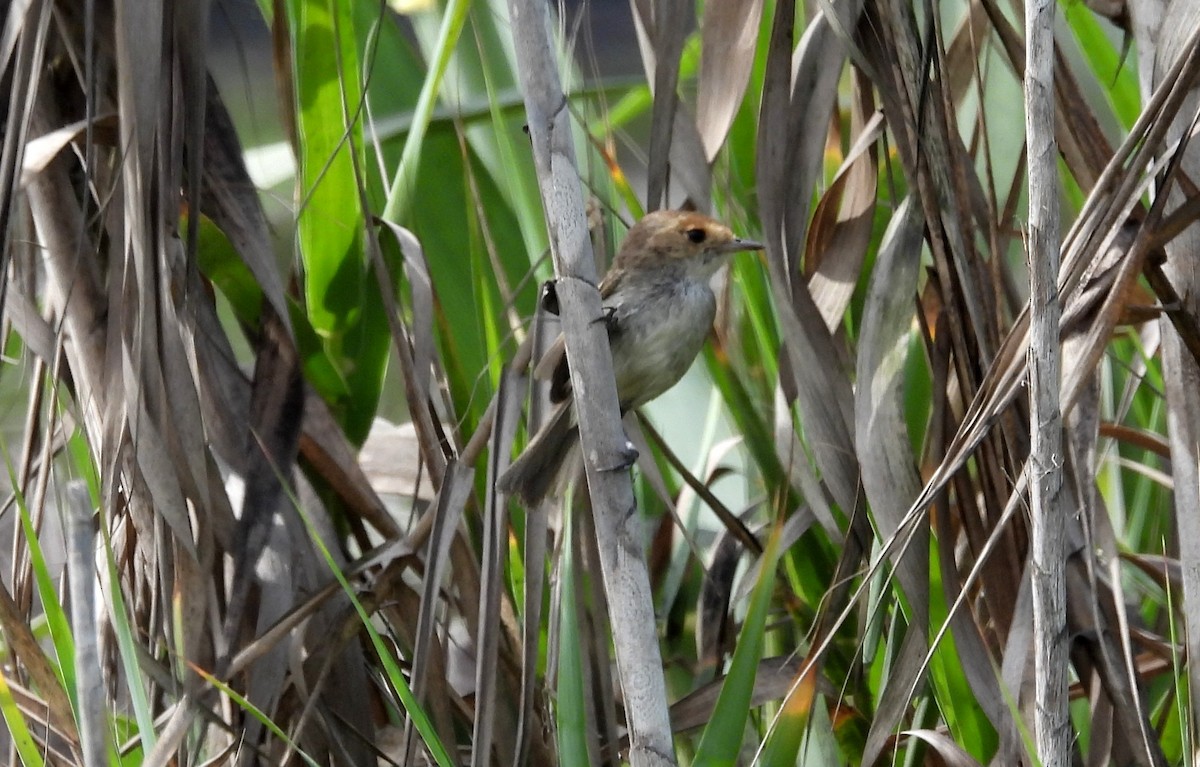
[737, 245]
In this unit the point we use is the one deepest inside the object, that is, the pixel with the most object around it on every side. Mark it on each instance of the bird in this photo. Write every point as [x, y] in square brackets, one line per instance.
[658, 308]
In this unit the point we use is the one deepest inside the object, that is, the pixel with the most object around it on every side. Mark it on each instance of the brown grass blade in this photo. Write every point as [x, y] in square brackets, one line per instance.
[413, 347]
[816, 68]
[667, 34]
[689, 166]
[229, 198]
[950, 753]
[889, 473]
[841, 225]
[787, 128]
[728, 32]
[19, 637]
[447, 513]
[495, 547]
[190, 84]
[41, 150]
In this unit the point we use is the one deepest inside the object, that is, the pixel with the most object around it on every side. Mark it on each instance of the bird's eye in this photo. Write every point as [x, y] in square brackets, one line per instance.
[696, 235]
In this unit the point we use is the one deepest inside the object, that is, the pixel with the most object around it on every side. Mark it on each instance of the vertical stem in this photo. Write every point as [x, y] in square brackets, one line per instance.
[1051, 723]
[81, 564]
[618, 526]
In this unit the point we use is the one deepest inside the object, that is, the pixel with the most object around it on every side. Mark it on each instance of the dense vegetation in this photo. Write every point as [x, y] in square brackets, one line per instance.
[206, 569]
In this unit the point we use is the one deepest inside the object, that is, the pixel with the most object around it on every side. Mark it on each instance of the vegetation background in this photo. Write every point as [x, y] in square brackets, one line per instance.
[217, 553]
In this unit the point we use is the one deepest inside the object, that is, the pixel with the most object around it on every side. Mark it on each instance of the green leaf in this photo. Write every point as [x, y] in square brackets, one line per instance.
[341, 294]
[722, 738]
[571, 711]
[1113, 69]
[27, 749]
[56, 617]
[403, 182]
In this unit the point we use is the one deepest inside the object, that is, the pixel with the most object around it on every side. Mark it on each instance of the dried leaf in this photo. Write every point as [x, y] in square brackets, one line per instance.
[668, 33]
[841, 228]
[728, 31]
[952, 754]
[41, 150]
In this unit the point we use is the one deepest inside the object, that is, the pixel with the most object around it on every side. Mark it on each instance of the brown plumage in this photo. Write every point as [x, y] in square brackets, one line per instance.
[659, 308]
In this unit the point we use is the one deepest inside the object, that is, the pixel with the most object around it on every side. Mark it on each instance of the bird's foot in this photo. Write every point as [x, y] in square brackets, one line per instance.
[609, 317]
[626, 458]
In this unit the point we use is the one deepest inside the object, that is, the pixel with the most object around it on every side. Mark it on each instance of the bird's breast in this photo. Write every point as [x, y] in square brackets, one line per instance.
[659, 331]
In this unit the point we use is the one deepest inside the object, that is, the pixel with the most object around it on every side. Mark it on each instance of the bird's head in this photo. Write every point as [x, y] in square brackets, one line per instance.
[675, 238]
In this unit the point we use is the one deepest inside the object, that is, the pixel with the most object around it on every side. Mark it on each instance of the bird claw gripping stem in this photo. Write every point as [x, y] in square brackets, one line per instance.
[609, 318]
[626, 458]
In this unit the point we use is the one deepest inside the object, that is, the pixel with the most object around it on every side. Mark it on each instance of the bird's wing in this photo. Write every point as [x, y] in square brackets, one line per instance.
[553, 367]
[553, 364]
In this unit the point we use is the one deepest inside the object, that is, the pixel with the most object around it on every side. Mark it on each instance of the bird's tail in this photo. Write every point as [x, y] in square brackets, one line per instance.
[546, 459]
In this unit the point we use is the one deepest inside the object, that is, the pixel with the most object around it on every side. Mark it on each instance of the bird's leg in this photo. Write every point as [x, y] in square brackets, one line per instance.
[609, 318]
[626, 458]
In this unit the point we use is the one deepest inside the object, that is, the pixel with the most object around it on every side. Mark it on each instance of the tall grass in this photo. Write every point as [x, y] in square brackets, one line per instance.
[833, 516]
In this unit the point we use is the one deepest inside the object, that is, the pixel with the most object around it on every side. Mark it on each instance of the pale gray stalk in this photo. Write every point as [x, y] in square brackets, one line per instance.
[1049, 545]
[605, 446]
[81, 565]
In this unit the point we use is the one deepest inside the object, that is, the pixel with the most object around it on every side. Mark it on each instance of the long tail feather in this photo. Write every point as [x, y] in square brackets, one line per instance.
[538, 469]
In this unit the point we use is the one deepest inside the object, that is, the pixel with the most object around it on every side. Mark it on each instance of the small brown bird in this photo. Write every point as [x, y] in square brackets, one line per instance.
[659, 308]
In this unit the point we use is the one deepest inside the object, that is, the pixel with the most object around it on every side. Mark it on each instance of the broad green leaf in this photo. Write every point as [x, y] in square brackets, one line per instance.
[341, 294]
[1114, 69]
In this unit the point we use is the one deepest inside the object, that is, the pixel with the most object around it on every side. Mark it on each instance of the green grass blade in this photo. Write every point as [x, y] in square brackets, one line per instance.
[394, 675]
[400, 193]
[571, 711]
[254, 711]
[27, 749]
[722, 738]
[56, 617]
[127, 648]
